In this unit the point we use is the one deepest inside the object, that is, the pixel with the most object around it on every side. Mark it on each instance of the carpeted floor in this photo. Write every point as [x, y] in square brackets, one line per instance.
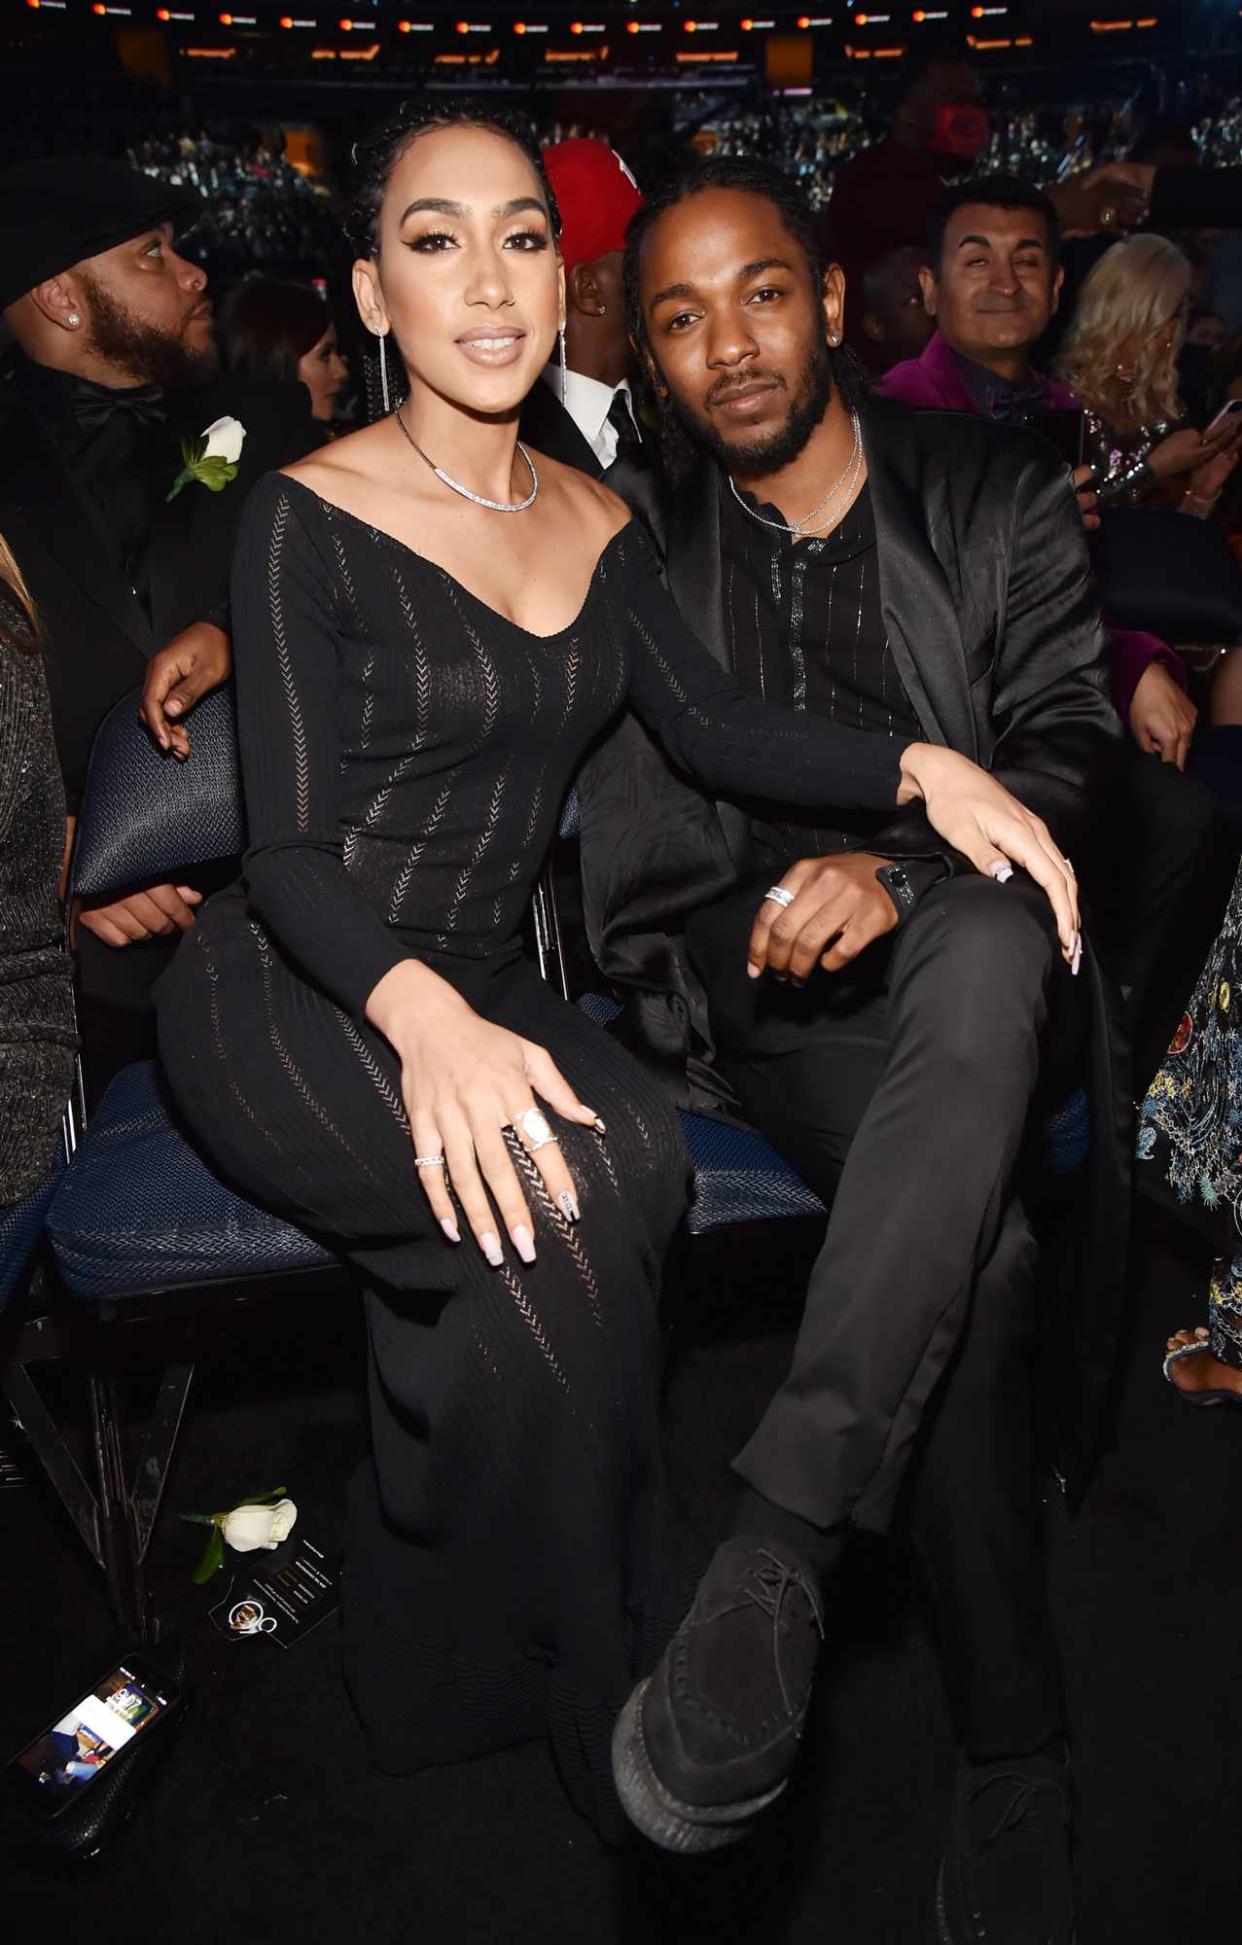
[268, 1825]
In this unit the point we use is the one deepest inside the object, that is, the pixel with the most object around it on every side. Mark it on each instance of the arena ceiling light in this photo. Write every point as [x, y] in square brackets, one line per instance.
[165, 13]
[287, 21]
[644, 26]
[530, 26]
[814, 20]
[587, 27]
[755, 26]
[929, 13]
[416, 27]
[474, 26]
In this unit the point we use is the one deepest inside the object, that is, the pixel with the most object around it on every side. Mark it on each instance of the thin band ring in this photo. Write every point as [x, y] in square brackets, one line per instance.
[779, 896]
[429, 1161]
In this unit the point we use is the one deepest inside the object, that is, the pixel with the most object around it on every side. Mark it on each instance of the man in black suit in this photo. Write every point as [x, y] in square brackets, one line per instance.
[880, 1011]
[114, 380]
[583, 414]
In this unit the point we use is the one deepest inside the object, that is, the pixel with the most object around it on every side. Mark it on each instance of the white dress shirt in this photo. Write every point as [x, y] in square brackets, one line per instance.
[587, 401]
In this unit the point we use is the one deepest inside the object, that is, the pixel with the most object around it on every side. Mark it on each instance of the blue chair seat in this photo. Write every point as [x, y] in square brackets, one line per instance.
[139, 1211]
[21, 1226]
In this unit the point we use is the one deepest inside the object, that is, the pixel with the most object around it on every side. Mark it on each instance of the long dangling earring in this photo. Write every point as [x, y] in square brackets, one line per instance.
[563, 364]
[383, 365]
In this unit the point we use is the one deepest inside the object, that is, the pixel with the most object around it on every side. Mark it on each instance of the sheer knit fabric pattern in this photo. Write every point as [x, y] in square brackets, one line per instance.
[405, 751]
[37, 1032]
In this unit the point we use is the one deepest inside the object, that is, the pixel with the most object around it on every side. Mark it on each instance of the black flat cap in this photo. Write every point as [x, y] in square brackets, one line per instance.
[58, 209]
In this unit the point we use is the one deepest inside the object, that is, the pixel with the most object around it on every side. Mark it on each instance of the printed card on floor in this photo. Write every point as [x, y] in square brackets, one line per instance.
[284, 1599]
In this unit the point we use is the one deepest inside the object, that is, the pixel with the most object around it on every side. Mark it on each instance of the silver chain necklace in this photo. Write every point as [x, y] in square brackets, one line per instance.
[800, 528]
[493, 506]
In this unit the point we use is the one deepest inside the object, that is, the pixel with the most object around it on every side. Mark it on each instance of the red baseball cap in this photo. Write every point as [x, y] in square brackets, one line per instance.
[596, 195]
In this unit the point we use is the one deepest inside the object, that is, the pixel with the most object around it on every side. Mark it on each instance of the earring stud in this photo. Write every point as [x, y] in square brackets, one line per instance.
[72, 318]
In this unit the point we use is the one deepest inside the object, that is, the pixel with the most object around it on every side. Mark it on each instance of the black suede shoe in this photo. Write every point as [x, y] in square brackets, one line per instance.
[1005, 1879]
[710, 1738]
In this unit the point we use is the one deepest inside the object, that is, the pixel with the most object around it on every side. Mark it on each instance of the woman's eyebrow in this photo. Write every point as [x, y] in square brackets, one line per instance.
[441, 206]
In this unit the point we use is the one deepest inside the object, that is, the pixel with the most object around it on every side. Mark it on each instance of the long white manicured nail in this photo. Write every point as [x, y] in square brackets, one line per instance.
[450, 1229]
[568, 1203]
[1002, 873]
[524, 1243]
[489, 1243]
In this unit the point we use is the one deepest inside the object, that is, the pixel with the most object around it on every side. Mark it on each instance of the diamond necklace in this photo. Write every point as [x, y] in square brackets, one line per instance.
[801, 527]
[493, 506]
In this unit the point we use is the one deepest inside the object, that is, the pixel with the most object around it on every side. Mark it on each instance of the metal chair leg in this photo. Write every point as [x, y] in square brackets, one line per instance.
[120, 1543]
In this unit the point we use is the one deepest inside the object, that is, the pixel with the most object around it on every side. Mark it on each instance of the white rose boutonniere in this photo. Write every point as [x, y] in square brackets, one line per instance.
[212, 458]
[263, 1521]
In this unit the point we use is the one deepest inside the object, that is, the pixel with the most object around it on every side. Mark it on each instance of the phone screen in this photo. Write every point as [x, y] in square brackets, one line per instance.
[68, 1757]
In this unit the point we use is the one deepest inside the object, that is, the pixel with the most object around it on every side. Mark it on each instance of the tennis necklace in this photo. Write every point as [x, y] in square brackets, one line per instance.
[493, 506]
[849, 473]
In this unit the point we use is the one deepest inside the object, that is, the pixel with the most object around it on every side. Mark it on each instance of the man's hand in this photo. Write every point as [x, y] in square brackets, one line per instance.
[1162, 716]
[153, 913]
[1084, 488]
[1111, 198]
[839, 908]
[196, 661]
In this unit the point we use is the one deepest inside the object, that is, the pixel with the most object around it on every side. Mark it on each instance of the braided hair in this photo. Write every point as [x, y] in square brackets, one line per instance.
[756, 178]
[374, 157]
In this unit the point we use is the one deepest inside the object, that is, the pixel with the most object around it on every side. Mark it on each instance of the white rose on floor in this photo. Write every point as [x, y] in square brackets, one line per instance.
[225, 439]
[248, 1527]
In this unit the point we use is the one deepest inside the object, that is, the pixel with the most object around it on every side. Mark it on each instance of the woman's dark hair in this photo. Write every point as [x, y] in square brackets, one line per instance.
[993, 192]
[376, 156]
[268, 326]
[755, 178]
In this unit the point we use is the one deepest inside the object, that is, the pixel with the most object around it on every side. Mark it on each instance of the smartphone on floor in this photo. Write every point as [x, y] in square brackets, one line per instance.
[51, 1775]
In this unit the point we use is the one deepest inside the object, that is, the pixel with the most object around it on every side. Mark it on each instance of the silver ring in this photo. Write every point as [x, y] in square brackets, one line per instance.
[533, 1127]
[429, 1161]
[779, 896]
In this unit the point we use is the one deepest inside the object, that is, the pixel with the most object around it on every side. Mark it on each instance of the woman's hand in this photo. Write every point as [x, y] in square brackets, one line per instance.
[464, 1082]
[1208, 482]
[1184, 451]
[980, 818]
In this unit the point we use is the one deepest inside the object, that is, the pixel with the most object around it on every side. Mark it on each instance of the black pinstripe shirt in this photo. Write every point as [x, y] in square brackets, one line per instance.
[806, 629]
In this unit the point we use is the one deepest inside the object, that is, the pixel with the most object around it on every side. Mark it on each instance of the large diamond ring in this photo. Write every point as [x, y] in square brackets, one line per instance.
[779, 896]
[533, 1127]
[429, 1161]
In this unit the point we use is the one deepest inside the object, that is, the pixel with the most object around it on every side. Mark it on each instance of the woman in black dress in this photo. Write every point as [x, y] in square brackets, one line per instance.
[422, 658]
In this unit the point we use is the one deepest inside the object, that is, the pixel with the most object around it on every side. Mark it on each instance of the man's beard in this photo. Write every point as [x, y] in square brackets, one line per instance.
[759, 458]
[163, 358]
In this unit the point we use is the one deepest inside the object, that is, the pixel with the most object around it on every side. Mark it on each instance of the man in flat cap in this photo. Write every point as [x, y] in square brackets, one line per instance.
[126, 550]
[585, 417]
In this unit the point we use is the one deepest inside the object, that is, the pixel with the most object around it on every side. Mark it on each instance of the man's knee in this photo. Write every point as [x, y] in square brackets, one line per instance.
[982, 944]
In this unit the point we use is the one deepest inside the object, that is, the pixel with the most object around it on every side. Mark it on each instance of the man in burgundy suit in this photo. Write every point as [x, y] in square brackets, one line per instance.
[992, 282]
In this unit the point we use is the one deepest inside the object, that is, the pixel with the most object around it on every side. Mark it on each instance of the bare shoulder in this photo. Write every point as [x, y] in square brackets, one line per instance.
[341, 459]
[594, 507]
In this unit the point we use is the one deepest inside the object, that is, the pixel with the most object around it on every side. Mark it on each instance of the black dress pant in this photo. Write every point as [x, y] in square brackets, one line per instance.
[901, 1091]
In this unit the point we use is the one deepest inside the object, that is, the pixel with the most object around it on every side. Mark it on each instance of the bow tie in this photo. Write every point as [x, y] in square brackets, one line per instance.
[94, 405]
[1011, 404]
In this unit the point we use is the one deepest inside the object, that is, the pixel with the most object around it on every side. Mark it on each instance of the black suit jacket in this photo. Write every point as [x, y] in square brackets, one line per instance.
[96, 632]
[992, 621]
[546, 425]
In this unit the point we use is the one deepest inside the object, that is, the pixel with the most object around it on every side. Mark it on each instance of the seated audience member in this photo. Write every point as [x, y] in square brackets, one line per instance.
[880, 1016]
[1188, 1158]
[433, 625]
[1119, 359]
[37, 1036]
[584, 414]
[991, 284]
[892, 322]
[125, 554]
[884, 197]
[286, 331]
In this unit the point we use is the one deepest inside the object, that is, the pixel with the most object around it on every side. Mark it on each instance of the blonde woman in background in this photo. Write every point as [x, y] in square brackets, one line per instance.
[37, 1036]
[1119, 358]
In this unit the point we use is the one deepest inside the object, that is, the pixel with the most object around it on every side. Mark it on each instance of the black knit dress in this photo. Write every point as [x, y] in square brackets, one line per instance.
[405, 751]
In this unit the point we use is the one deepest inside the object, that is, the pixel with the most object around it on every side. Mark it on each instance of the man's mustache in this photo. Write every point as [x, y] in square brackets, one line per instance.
[726, 388]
